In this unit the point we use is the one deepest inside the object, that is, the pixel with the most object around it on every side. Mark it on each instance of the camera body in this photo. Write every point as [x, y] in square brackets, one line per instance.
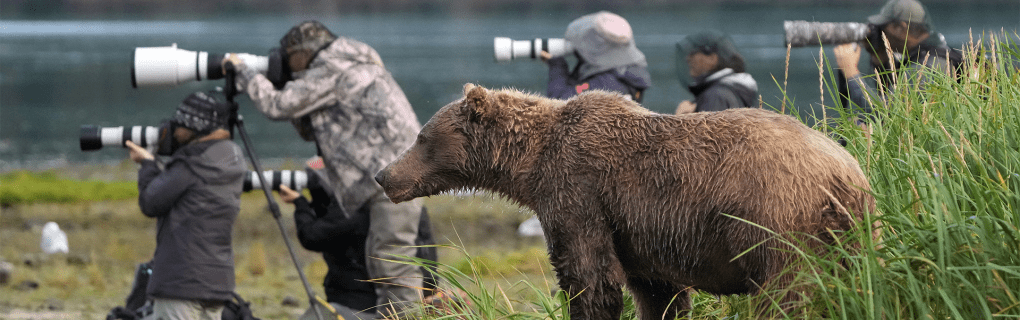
[296, 180]
[168, 66]
[94, 137]
[802, 33]
[506, 49]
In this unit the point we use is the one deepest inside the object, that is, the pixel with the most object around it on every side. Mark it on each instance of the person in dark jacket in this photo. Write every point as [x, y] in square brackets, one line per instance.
[607, 59]
[195, 198]
[913, 46]
[709, 64]
[323, 225]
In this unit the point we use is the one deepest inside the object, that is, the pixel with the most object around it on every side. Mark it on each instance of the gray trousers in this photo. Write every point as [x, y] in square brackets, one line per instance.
[174, 309]
[392, 231]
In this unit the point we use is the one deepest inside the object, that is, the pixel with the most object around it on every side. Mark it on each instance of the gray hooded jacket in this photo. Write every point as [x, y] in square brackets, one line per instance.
[196, 200]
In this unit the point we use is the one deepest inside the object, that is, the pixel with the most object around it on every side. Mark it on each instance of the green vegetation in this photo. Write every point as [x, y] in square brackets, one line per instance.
[944, 165]
[22, 187]
[943, 162]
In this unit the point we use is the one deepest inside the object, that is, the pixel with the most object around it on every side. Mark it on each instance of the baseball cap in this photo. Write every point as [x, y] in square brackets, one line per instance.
[910, 11]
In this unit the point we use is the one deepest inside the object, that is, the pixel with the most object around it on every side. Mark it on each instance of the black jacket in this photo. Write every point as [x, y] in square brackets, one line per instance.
[631, 81]
[723, 90]
[195, 200]
[323, 226]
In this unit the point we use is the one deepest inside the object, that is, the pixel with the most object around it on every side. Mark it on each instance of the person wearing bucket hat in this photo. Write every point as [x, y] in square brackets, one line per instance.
[343, 98]
[712, 69]
[607, 59]
[913, 44]
[195, 198]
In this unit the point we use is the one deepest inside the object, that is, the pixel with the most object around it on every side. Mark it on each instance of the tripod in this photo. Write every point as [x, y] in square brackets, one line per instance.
[238, 122]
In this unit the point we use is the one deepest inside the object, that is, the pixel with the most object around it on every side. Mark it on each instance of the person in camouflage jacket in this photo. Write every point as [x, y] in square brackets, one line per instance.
[344, 99]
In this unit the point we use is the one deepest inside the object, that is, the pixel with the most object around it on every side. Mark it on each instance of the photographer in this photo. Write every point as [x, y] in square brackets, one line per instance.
[714, 74]
[607, 59]
[323, 226]
[195, 200]
[343, 98]
[913, 46]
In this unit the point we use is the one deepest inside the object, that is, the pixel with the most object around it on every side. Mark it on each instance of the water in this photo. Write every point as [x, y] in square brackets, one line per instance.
[58, 75]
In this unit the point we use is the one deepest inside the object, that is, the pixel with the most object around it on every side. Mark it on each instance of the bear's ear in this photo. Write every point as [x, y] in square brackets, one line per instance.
[476, 100]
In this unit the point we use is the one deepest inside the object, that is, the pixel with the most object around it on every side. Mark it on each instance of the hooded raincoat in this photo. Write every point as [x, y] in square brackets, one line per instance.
[195, 200]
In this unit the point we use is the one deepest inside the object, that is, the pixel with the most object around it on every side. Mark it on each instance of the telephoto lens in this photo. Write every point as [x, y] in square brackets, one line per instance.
[802, 33]
[95, 137]
[296, 180]
[165, 66]
[506, 49]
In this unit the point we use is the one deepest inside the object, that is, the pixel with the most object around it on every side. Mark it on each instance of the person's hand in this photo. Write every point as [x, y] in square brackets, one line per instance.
[288, 195]
[847, 57]
[232, 59]
[545, 56]
[686, 106]
[138, 154]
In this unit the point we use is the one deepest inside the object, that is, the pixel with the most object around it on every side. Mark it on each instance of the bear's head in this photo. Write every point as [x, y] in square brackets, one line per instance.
[466, 144]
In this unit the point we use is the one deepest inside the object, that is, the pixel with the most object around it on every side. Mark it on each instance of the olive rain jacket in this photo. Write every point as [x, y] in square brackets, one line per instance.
[195, 201]
[724, 89]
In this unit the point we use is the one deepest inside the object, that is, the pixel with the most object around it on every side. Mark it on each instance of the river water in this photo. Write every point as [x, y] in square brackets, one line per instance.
[57, 75]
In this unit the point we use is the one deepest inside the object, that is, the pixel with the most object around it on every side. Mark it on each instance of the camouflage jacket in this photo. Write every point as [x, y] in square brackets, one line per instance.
[351, 106]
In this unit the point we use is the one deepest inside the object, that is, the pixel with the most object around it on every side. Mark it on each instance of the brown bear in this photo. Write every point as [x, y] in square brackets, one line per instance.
[630, 197]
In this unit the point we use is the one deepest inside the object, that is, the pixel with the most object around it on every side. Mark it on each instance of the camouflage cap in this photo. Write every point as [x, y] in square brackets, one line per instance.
[910, 11]
[309, 36]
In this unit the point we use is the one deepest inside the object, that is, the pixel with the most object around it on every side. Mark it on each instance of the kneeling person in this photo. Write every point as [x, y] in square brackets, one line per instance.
[323, 225]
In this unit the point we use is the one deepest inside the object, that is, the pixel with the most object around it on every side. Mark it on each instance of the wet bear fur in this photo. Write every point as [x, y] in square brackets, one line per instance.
[627, 197]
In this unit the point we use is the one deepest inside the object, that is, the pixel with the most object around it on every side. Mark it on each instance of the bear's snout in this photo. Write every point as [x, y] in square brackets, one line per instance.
[381, 178]
[396, 193]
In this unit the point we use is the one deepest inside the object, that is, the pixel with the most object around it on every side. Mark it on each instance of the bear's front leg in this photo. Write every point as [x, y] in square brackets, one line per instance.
[588, 270]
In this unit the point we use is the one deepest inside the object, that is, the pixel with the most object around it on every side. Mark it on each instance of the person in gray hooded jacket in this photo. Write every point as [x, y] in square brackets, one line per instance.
[195, 198]
[713, 70]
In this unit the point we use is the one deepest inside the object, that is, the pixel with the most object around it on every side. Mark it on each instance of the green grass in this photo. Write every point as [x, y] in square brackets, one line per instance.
[21, 187]
[109, 237]
[943, 162]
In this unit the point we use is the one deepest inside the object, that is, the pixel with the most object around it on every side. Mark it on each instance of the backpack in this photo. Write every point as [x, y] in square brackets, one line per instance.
[137, 305]
[237, 309]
